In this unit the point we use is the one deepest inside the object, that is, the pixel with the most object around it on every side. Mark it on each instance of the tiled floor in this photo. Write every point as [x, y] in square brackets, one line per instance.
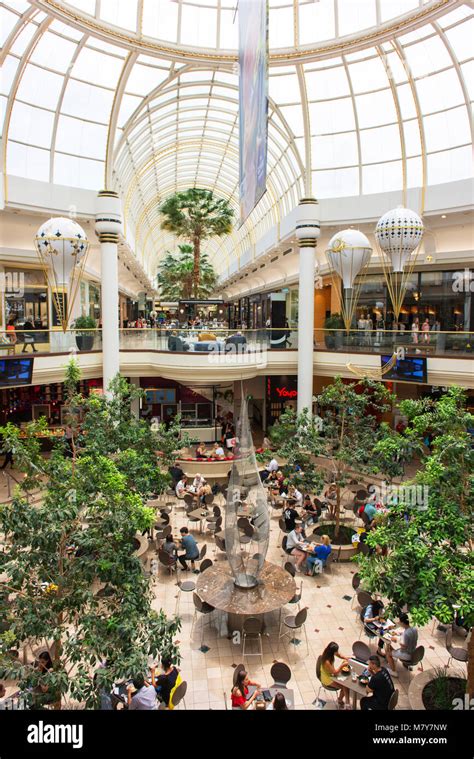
[209, 675]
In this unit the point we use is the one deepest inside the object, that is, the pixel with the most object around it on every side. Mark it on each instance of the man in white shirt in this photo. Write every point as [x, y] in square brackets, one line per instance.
[298, 497]
[144, 699]
[198, 483]
[182, 487]
[272, 466]
[218, 451]
[294, 544]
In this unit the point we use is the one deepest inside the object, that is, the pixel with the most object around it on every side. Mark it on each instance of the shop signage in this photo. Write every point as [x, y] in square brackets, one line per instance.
[281, 389]
[283, 392]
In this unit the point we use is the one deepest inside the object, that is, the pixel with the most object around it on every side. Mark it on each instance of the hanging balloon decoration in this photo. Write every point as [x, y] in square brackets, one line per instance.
[399, 234]
[348, 255]
[62, 248]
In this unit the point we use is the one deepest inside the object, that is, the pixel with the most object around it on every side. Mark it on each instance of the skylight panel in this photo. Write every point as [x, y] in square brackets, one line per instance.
[229, 30]
[381, 143]
[330, 83]
[30, 125]
[375, 109]
[98, 68]
[439, 91]
[54, 52]
[336, 184]
[119, 13]
[406, 101]
[284, 89]
[40, 87]
[412, 137]
[28, 162]
[334, 150]
[7, 22]
[414, 172]
[467, 70]
[199, 26]
[446, 130]
[87, 6]
[281, 27]
[332, 116]
[23, 39]
[81, 138]
[354, 16]
[78, 172]
[385, 177]
[87, 101]
[427, 56]
[160, 19]
[8, 72]
[316, 22]
[394, 8]
[368, 75]
[450, 165]
[461, 39]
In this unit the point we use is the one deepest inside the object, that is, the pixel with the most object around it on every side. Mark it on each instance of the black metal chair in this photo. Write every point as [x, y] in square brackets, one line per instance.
[416, 658]
[393, 700]
[292, 624]
[205, 565]
[289, 567]
[220, 544]
[179, 694]
[203, 608]
[281, 674]
[361, 651]
[455, 652]
[185, 586]
[166, 560]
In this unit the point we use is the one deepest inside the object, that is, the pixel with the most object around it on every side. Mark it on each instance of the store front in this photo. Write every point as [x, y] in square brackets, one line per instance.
[281, 394]
[26, 297]
[442, 297]
[20, 405]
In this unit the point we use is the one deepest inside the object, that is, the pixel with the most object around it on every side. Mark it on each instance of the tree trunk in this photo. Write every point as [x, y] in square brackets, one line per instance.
[470, 667]
[338, 510]
[197, 265]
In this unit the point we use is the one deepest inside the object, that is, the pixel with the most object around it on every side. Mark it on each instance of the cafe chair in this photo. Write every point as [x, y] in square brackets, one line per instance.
[246, 530]
[455, 652]
[393, 700]
[416, 658]
[161, 535]
[328, 688]
[200, 608]
[355, 587]
[192, 520]
[220, 544]
[361, 651]
[213, 527]
[165, 518]
[208, 499]
[289, 567]
[282, 526]
[179, 695]
[281, 674]
[188, 499]
[185, 586]
[252, 630]
[296, 600]
[293, 623]
[205, 565]
[202, 553]
[363, 600]
[166, 560]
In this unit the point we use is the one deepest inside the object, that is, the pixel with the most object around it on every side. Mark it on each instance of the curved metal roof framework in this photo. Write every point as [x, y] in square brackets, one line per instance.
[142, 95]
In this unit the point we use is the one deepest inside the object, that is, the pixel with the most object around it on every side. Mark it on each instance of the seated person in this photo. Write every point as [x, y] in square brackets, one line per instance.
[43, 694]
[144, 698]
[272, 466]
[379, 688]
[408, 642]
[320, 555]
[278, 704]
[182, 487]
[236, 342]
[290, 515]
[218, 452]
[281, 482]
[171, 548]
[267, 444]
[240, 692]
[311, 511]
[329, 672]
[370, 510]
[294, 543]
[198, 483]
[191, 550]
[272, 481]
[176, 344]
[374, 612]
[204, 491]
[176, 474]
[166, 682]
[201, 452]
[293, 492]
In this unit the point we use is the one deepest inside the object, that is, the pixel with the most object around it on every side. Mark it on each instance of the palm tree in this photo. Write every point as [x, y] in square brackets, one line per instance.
[196, 215]
[175, 275]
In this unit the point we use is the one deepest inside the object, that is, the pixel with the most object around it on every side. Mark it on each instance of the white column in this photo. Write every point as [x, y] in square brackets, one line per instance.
[307, 232]
[108, 228]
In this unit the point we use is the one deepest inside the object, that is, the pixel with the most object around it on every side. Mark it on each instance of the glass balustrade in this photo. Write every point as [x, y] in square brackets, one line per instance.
[238, 342]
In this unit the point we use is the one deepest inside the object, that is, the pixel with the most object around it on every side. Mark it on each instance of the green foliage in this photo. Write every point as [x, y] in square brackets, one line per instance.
[298, 441]
[81, 533]
[196, 215]
[175, 275]
[85, 322]
[430, 562]
[335, 321]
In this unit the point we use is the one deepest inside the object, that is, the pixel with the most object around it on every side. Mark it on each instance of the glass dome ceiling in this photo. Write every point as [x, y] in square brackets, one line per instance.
[365, 97]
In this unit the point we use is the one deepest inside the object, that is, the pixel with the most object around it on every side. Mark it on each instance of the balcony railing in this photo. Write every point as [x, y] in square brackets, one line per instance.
[193, 341]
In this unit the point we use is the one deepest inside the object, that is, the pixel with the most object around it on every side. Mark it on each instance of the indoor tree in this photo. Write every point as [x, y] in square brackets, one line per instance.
[176, 275]
[297, 440]
[196, 215]
[429, 566]
[59, 551]
[351, 415]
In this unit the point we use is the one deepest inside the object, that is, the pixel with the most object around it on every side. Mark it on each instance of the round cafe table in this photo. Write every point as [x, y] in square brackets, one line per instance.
[216, 587]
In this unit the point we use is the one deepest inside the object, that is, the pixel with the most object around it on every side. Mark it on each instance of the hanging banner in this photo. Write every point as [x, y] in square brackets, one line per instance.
[253, 102]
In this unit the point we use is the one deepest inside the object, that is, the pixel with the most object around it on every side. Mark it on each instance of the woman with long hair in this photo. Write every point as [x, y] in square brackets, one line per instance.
[240, 691]
[329, 672]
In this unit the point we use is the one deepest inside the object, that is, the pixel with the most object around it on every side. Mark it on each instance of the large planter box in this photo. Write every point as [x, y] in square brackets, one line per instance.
[418, 684]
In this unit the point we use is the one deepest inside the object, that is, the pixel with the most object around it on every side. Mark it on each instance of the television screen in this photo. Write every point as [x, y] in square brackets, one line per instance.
[15, 371]
[408, 369]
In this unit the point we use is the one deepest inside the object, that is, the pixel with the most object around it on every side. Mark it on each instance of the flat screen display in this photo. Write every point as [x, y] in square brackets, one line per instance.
[15, 371]
[408, 369]
[160, 395]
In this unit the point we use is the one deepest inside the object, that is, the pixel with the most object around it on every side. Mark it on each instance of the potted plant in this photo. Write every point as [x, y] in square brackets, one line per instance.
[85, 340]
[333, 339]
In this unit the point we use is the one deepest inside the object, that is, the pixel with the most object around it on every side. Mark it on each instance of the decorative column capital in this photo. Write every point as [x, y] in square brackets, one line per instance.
[307, 223]
[108, 220]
